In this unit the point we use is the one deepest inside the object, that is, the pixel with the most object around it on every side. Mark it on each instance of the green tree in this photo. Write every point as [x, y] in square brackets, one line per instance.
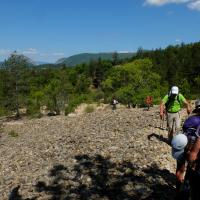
[132, 81]
[17, 85]
[115, 58]
[56, 96]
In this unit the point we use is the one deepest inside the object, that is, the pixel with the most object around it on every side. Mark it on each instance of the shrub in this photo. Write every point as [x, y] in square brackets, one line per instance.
[74, 102]
[3, 111]
[33, 111]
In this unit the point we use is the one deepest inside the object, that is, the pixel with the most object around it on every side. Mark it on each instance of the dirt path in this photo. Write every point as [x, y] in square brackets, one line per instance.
[100, 155]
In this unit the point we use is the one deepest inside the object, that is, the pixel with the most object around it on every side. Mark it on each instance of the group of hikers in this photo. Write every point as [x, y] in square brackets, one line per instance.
[148, 103]
[185, 143]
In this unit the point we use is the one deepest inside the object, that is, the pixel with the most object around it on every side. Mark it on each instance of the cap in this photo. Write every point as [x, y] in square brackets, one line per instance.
[179, 143]
[174, 90]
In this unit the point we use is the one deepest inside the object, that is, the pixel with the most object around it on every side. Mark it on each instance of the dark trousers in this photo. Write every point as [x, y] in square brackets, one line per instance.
[195, 185]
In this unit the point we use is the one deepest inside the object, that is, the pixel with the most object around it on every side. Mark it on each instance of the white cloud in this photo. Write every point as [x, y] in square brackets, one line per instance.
[194, 5]
[178, 40]
[191, 4]
[163, 2]
[5, 52]
[30, 51]
[123, 51]
[43, 54]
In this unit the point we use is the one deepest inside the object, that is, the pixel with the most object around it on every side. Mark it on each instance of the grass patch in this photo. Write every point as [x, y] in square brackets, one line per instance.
[12, 133]
[89, 109]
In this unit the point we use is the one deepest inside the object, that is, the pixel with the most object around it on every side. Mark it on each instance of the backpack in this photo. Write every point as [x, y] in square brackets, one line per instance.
[114, 102]
[170, 99]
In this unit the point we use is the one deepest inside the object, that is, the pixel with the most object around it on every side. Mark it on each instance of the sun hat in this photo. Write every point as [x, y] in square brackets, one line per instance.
[174, 90]
[178, 144]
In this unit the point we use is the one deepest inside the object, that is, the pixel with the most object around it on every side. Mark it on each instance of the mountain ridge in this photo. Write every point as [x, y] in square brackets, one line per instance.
[87, 57]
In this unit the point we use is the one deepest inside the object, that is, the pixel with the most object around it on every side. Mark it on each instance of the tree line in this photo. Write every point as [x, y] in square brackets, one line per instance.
[58, 88]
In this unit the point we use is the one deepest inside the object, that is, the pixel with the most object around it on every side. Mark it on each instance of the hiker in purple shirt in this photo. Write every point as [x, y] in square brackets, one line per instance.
[182, 144]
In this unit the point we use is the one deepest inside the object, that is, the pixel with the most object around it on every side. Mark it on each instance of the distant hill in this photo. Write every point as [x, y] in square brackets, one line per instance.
[87, 57]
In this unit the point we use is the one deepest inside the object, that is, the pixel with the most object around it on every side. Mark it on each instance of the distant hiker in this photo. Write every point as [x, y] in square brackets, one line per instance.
[149, 101]
[182, 144]
[172, 103]
[114, 103]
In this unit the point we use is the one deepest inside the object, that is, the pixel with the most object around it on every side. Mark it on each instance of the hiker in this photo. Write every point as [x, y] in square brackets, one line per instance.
[194, 162]
[114, 103]
[182, 144]
[149, 101]
[172, 103]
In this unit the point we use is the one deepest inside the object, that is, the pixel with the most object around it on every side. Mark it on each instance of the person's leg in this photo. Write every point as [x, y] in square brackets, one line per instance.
[177, 119]
[170, 126]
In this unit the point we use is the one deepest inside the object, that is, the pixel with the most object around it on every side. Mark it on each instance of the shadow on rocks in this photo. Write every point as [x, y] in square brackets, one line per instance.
[96, 177]
[14, 194]
[159, 137]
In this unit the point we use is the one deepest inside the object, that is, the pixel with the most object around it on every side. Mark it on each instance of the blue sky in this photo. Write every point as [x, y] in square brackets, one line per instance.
[46, 30]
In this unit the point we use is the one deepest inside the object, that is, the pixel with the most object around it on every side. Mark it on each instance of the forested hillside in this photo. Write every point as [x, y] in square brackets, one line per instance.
[58, 87]
[87, 57]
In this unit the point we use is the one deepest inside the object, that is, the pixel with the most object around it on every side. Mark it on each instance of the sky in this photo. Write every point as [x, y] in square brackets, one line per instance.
[46, 30]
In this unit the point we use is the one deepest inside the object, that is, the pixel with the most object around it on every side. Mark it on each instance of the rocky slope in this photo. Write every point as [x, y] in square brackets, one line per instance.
[100, 155]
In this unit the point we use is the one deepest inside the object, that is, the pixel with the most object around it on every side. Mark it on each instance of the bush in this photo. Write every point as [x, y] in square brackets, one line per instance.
[34, 111]
[74, 102]
[3, 111]
[69, 109]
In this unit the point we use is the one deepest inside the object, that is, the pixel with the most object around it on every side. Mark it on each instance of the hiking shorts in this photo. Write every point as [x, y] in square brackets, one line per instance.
[173, 121]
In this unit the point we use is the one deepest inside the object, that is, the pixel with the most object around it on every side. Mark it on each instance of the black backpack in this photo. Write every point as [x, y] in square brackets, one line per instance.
[171, 99]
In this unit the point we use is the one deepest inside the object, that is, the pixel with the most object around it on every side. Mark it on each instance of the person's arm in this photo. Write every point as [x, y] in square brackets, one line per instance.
[186, 103]
[188, 107]
[162, 107]
[194, 153]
